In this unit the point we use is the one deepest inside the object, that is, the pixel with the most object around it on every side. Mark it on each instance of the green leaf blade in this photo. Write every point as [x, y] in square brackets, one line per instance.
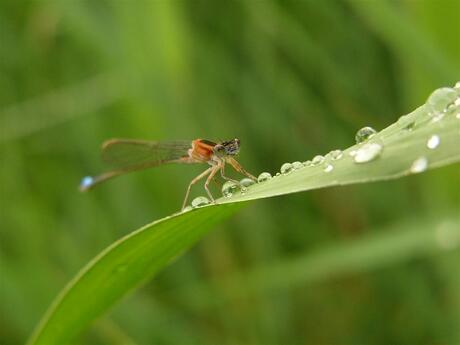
[138, 256]
[121, 267]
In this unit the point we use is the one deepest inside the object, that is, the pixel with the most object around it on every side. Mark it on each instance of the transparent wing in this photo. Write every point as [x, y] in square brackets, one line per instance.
[129, 154]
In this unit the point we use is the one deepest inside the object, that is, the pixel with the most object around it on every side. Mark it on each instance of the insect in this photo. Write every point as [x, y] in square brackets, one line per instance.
[127, 155]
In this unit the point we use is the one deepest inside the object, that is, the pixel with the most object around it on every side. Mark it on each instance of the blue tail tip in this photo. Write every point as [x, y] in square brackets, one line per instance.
[86, 183]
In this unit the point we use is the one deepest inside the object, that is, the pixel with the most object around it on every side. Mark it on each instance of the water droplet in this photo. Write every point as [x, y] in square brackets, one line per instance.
[286, 168]
[86, 183]
[277, 174]
[419, 165]
[352, 153]
[457, 85]
[328, 168]
[265, 176]
[187, 208]
[200, 201]
[317, 160]
[229, 188]
[246, 182]
[307, 163]
[336, 154]
[439, 100]
[364, 134]
[433, 142]
[297, 165]
[406, 122]
[368, 152]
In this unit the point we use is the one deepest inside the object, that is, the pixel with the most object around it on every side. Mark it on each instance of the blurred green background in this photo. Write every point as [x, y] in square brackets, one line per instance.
[291, 79]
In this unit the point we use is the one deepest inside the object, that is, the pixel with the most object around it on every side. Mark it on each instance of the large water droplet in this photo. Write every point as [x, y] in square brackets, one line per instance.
[328, 168]
[229, 188]
[200, 201]
[286, 168]
[364, 134]
[419, 165]
[439, 100]
[317, 160]
[367, 153]
[265, 176]
[297, 165]
[307, 163]
[433, 142]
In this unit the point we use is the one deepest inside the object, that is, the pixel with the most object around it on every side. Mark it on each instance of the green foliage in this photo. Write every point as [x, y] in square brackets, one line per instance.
[291, 79]
[140, 255]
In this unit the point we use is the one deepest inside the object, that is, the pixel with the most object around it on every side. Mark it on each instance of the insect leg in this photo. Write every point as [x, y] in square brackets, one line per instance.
[222, 173]
[214, 170]
[240, 169]
[195, 180]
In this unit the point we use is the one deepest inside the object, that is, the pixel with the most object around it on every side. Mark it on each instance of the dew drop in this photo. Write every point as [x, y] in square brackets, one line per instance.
[317, 160]
[278, 174]
[200, 201]
[336, 154]
[307, 163]
[406, 122]
[187, 208]
[265, 176]
[328, 168]
[229, 188]
[297, 165]
[246, 182]
[286, 168]
[457, 85]
[367, 153]
[419, 165]
[433, 142]
[364, 134]
[439, 100]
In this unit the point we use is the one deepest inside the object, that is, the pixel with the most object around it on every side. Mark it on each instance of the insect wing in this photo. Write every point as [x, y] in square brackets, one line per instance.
[129, 154]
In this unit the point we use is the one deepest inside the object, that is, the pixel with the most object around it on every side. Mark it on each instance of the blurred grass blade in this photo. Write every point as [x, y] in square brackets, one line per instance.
[56, 107]
[137, 257]
[405, 241]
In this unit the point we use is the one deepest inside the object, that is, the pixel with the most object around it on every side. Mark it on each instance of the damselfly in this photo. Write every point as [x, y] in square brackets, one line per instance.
[127, 155]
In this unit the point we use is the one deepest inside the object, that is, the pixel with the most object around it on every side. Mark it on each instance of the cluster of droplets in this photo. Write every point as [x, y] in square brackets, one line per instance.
[317, 160]
[443, 101]
[229, 188]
